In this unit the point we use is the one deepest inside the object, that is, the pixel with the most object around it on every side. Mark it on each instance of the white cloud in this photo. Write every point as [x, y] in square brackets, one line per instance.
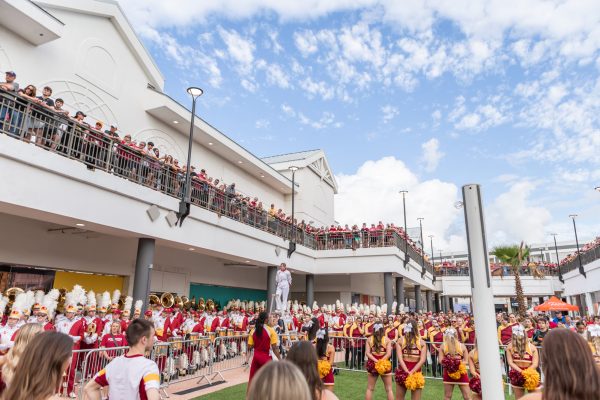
[431, 154]
[492, 113]
[513, 217]
[288, 110]
[389, 113]
[327, 120]
[432, 199]
[262, 123]
[306, 42]
[276, 76]
[320, 88]
[240, 50]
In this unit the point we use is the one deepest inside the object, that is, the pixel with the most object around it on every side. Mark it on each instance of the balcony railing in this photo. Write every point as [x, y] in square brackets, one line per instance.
[503, 271]
[76, 140]
[586, 258]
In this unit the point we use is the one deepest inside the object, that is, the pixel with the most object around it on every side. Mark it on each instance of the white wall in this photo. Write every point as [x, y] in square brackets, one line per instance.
[314, 200]
[576, 284]
[460, 286]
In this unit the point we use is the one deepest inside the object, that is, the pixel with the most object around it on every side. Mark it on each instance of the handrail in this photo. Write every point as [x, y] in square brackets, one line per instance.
[23, 119]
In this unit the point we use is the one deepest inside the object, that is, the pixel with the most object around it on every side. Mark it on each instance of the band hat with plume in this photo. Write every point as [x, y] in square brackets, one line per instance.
[127, 305]
[407, 328]
[377, 327]
[518, 330]
[115, 297]
[50, 302]
[38, 297]
[321, 333]
[138, 306]
[450, 332]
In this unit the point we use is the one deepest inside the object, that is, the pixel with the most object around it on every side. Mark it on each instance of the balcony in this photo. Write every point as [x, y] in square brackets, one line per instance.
[97, 150]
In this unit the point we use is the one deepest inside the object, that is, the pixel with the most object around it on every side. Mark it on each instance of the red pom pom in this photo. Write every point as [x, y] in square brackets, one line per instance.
[475, 385]
[401, 376]
[370, 367]
[516, 378]
[451, 364]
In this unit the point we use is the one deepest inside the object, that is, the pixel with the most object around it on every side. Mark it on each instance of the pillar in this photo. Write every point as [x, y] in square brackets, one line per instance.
[451, 300]
[399, 291]
[589, 305]
[436, 300]
[271, 287]
[541, 300]
[428, 300]
[143, 271]
[310, 290]
[446, 304]
[418, 298]
[387, 291]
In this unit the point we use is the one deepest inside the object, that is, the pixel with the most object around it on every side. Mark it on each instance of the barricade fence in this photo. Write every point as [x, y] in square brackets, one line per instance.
[205, 358]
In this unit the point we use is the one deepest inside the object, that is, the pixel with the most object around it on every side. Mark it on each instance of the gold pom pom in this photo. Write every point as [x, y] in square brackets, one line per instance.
[532, 379]
[324, 367]
[383, 366]
[415, 381]
[462, 370]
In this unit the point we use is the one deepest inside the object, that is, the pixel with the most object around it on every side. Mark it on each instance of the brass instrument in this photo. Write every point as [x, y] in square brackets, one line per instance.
[60, 306]
[201, 305]
[91, 328]
[178, 301]
[187, 304]
[154, 300]
[210, 305]
[193, 301]
[167, 300]
[12, 293]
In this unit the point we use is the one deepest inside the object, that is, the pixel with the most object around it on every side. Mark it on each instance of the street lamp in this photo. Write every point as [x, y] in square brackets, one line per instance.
[597, 188]
[186, 201]
[420, 219]
[560, 277]
[292, 247]
[432, 256]
[406, 256]
[581, 270]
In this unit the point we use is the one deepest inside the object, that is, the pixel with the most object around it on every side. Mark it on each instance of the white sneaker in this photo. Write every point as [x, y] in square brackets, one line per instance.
[73, 395]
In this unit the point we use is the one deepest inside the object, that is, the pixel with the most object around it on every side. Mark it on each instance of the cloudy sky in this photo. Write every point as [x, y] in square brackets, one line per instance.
[421, 95]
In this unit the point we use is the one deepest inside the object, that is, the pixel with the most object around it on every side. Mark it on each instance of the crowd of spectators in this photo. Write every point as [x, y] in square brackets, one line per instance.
[43, 121]
[462, 268]
[587, 248]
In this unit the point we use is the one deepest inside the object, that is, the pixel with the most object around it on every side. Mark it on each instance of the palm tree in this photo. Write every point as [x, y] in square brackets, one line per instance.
[514, 256]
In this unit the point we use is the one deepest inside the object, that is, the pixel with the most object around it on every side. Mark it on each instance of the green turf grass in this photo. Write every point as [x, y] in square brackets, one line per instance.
[348, 386]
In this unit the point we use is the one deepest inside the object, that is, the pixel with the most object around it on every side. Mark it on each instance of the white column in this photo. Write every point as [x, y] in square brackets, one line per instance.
[589, 304]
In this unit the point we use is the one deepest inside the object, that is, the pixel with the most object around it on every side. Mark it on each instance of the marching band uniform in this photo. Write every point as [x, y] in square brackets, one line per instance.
[9, 331]
[436, 336]
[76, 329]
[505, 333]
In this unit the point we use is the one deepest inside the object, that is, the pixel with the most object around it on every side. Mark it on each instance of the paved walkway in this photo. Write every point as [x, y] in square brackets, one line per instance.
[232, 378]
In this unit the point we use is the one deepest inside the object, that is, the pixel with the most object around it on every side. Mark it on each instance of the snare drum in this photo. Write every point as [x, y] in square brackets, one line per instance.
[176, 343]
[212, 336]
[230, 332]
[204, 342]
[222, 333]
[293, 336]
[195, 337]
[161, 349]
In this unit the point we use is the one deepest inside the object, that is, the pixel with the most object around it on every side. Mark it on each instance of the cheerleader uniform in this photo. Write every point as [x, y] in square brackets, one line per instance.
[595, 354]
[328, 380]
[464, 378]
[378, 354]
[262, 346]
[523, 362]
[413, 352]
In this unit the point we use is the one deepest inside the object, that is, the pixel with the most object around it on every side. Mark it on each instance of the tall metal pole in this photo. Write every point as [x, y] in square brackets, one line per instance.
[481, 289]
[292, 247]
[422, 246]
[581, 270]
[185, 203]
[406, 256]
[432, 259]
[560, 277]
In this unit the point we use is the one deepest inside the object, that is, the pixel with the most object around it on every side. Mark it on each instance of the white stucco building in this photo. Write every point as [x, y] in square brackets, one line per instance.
[63, 220]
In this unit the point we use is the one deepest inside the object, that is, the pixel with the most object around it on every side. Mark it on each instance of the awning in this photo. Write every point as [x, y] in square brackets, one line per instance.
[555, 304]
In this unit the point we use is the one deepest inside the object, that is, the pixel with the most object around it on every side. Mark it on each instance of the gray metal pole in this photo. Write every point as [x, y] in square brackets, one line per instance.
[422, 247]
[406, 257]
[446, 304]
[143, 269]
[436, 299]
[481, 289]
[560, 277]
[581, 270]
[388, 292]
[271, 285]
[310, 290]
[418, 298]
[399, 292]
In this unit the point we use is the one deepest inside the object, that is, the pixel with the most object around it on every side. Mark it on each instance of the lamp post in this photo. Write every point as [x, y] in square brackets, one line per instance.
[406, 256]
[186, 201]
[432, 258]
[597, 188]
[420, 219]
[581, 270]
[292, 247]
[560, 277]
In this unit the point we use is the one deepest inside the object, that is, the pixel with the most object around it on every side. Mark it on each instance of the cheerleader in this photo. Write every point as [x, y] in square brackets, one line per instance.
[264, 340]
[413, 351]
[594, 342]
[453, 357]
[474, 383]
[521, 355]
[326, 355]
[378, 348]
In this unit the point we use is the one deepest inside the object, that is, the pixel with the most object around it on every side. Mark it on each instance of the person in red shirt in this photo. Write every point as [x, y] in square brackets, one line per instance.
[111, 340]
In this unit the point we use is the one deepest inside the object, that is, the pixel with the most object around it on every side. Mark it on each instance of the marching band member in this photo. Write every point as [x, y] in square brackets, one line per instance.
[456, 354]
[436, 336]
[212, 322]
[93, 330]
[198, 325]
[126, 313]
[378, 348]
[283, 281]
[75, 328]
[9, 331]
[413, 353]
[39, 299]
[115, 316]
[346, 332]
[224, 320]
[337, 323]
[528, 325]
[42, 318]
[521, 354]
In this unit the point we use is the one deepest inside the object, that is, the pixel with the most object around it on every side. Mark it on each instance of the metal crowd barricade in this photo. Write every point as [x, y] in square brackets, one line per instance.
[94, 360]
[230, 352]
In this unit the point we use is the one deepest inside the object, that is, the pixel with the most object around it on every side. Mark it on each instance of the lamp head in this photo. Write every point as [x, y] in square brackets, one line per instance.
[573, 216]
[293, 168]
[195, 91]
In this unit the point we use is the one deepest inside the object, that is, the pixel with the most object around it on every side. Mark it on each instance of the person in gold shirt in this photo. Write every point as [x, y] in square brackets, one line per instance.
[436, 336]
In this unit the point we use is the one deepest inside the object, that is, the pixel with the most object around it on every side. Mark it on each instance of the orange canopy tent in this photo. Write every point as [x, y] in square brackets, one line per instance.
[555, 304]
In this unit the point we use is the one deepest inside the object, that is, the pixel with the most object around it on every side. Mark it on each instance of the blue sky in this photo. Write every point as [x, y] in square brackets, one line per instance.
[420, 95]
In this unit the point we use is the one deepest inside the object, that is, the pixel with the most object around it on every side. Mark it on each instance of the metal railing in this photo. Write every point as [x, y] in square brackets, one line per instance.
[99, 151]
[586, 258]
[504, 271]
